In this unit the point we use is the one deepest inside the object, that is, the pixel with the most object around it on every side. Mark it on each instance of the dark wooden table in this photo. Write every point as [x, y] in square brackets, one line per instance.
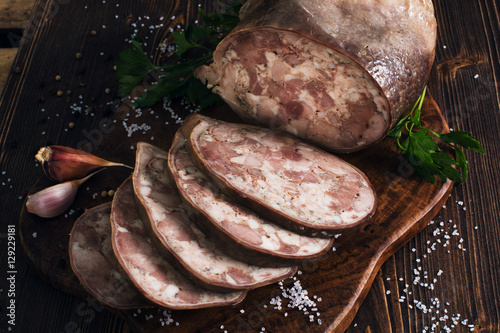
[445, 279]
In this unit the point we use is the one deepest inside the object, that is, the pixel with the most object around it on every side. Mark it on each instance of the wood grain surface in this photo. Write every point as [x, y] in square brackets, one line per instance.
[7, 56]
[14, 16]
[446, 277]
[15, 13]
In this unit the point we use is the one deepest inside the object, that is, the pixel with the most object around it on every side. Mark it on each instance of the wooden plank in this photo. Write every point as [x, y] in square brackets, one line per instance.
[6, 59]
[15, 13]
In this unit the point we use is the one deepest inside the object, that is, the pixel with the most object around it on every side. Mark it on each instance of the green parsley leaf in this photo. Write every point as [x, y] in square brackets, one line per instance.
[421, 160]
[462, 162]
[420, 149]
[132, 68]
[177, 80]
[188, 39]
[463, 139]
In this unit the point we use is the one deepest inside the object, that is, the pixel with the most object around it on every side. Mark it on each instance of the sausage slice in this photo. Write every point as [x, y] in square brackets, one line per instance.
[181, 239]
[152, 274]
[94, 262]
[233, 224]
[280, 177]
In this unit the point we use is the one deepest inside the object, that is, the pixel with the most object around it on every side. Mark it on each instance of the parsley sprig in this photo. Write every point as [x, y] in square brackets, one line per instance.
[419, 147]
[194, 47]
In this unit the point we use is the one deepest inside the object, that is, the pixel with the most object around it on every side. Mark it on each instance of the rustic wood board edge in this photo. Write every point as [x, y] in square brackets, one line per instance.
[433, 118]
[344, 320]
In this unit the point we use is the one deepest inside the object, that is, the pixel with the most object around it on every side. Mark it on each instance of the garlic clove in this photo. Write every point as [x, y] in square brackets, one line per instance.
[64, 163]
[52, 201]
[55, 200]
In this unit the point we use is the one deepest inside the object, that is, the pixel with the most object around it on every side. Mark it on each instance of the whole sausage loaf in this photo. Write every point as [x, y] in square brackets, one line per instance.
[338, 73]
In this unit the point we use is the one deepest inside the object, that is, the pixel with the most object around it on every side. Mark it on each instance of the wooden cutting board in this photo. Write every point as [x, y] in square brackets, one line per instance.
[336, 283]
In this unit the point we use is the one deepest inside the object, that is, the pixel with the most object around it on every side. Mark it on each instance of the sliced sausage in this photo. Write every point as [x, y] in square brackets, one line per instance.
[245, 233]
[183, 240]
[157, 279]
[94, 262]
[338, 73]
[280, 177]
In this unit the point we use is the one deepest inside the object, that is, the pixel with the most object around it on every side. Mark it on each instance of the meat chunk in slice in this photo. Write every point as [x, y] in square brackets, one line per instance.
[94, 262]
[246, 234]
[152, 274]
[280, 177]
[181, 239]
[299, 86]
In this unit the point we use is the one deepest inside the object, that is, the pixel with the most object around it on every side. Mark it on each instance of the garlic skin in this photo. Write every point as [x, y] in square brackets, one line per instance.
[52, 201]
[64, 163]
[55, 200]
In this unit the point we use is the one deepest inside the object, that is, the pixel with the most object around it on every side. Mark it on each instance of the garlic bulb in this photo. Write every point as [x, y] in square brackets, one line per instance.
[56, 199]
[63, 163]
